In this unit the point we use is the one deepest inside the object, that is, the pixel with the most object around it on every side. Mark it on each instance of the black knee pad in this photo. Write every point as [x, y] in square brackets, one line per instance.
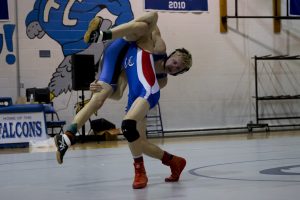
[129, 130]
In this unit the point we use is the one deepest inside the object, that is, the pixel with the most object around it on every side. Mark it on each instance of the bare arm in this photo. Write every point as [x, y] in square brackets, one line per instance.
[159, 43]
[96, 86]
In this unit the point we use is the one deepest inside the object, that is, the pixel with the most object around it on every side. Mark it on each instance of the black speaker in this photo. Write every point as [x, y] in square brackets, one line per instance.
[83, 71]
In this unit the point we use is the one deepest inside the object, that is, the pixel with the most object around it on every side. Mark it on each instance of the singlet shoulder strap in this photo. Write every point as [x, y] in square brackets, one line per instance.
[161, 75]
[157, 57]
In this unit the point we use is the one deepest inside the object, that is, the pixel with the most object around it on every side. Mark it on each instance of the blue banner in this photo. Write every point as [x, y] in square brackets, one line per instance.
[3, 10]
[294, 7]
[177, 5]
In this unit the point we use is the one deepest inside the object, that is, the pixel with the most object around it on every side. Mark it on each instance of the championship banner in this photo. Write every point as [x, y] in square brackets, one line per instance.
[3, 10]
[177, 5]
[294, 7]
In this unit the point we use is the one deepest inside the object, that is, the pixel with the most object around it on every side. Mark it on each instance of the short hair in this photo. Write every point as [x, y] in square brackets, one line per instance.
[186, 57]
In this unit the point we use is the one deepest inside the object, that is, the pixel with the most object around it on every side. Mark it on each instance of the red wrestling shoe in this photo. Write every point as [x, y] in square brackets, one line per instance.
[177, 165]
[140, 178]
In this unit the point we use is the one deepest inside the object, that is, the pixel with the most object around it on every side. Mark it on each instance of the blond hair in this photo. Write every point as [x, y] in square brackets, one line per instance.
[186, 57]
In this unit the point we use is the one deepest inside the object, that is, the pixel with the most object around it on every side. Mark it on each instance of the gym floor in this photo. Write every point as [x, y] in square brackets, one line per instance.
[242, 166]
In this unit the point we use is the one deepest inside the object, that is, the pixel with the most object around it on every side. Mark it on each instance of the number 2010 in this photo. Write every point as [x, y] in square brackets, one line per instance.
[177, 5]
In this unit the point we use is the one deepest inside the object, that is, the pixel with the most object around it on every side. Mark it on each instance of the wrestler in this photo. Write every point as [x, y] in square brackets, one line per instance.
[111, 83]
[141, 64]
[146, 66]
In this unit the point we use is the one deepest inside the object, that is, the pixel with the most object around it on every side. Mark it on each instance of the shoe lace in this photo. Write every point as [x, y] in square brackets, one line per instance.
[94, 36]
[62, 145]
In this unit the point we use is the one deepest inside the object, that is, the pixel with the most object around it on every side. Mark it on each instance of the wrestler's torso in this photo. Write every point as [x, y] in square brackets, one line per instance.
[140, 71]
[142, 82]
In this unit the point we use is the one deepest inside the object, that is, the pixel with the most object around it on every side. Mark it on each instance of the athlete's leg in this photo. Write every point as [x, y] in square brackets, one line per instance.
[93, 105]
[136, 113]
[148, 148]
[139, 144]
[132, 31]
[176, 163]
[136, 29]
[68, 138]
[150, 18]
[108, 79]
